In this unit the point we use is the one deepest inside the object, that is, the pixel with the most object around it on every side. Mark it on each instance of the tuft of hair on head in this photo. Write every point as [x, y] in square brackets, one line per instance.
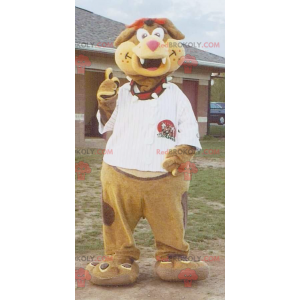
[130, 30]
[149, 22]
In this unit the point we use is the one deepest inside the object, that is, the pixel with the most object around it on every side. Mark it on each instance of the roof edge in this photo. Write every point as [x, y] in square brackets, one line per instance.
[83, 9]
[92, 48]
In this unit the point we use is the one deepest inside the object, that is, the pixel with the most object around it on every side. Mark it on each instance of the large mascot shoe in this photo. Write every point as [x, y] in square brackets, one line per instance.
[178, 270]
[112, 273]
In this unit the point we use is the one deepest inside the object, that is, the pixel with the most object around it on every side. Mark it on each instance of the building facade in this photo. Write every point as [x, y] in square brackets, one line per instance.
[94, 53]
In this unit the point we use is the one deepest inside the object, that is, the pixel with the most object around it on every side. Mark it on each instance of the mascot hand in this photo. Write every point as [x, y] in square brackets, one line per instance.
[109, 88]
[107, 95]
[177, 156]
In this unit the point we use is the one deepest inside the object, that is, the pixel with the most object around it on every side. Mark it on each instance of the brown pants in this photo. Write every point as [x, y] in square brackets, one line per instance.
[127, 198]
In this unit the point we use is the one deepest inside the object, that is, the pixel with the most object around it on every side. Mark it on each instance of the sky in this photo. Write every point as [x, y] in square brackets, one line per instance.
[201, 21]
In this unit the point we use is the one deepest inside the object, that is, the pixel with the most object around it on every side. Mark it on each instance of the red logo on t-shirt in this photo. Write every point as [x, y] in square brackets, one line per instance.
[166, 129]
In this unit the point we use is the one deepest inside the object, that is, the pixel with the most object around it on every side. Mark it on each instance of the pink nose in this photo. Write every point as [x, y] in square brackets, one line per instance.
[153, 45]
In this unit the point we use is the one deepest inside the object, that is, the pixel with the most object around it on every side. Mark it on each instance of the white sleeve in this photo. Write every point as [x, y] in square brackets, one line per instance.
[109, 126]
[188, 132]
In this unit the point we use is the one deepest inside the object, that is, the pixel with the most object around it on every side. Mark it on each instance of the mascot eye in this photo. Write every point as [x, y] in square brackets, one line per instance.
[141, 34]
[159, 32]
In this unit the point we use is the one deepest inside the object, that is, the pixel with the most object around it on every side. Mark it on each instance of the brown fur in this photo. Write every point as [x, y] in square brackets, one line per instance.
[129, 33]
[147, 83]
[125, 35]
[173, 31]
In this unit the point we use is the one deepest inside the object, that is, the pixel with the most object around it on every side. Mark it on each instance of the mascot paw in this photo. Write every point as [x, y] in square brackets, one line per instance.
[109, 87]
[172, 164]
[182, 270]
[113, 273]
[177, 156]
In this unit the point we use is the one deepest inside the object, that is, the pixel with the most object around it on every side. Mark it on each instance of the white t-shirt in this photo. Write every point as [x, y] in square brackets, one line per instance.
[143, 130]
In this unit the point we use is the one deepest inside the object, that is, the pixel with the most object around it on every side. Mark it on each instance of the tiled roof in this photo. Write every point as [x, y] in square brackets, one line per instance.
[92, 29]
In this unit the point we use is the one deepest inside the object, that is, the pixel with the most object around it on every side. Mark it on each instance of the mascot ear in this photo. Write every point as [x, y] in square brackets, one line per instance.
[173, 31]
[124, 36]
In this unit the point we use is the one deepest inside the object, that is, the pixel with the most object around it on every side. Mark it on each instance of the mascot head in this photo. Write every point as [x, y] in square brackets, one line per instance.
[149, 48]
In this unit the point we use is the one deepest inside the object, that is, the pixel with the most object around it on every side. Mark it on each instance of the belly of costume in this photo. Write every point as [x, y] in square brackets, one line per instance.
[141, 174]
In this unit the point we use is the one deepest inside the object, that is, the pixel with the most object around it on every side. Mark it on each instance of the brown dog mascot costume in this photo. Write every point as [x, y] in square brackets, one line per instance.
[154, 132]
